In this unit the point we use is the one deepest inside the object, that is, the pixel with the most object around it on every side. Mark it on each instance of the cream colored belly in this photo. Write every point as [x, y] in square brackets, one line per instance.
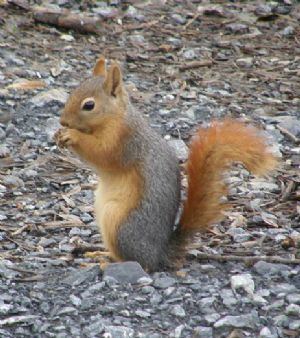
[115, 197]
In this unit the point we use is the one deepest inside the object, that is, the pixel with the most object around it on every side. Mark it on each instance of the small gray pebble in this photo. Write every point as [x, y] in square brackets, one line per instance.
[179, 19]
[2, 134]
[75, 300]
[203, 332]
[119, 331]
[293, 298]
[46, 242]
[281, 320]
[80, 276]
[75, 232]
[5, 308]
[156, 299]
[164, 282]
[288, 31]
[243, 321]
[237, 28]
[294, 325]
[284, 288]
[178, 311]
[147, 290]
[206, 305]
[293, 309]
[4, 151]
[228, 297]
[263, 10]
[212, 318]
[67, 310]
[97, 287]
[95, 328]
[142, 314]
[30, 173]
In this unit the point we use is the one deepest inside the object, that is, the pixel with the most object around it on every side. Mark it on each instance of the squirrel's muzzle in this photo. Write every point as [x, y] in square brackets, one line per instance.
[63, 122]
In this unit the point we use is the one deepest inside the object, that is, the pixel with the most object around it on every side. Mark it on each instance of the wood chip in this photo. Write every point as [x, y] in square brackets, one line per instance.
[27, 85]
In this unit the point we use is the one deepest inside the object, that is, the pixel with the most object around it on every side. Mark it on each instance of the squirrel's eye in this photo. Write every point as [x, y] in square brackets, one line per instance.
[88, 105]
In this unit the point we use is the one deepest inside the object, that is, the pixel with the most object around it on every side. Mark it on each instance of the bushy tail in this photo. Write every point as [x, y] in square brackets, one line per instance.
[212, 151]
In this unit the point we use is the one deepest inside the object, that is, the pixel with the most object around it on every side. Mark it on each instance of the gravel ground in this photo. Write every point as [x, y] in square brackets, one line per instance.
[185, 63]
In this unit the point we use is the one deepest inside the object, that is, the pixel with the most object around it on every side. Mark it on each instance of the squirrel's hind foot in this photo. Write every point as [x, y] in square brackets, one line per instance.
[103, 258]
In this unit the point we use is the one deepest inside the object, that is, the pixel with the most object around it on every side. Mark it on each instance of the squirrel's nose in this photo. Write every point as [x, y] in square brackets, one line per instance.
[63, 122]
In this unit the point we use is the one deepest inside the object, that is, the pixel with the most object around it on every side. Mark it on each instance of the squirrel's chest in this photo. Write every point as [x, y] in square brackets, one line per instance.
[116, 196]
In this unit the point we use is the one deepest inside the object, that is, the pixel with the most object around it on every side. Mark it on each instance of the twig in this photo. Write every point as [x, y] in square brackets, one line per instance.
[248, 259]
[82, 248]
[5, 228]
[63, 224]
[35, 278]
[142, 25]
[195, 17]
[15, 268]
[180, 91]
[288, 190]
[67, 19]
[61, 17]
[196, 64]
[23, 228]
[17, 319]
[289, 134]
[21, 245]
[19, 4]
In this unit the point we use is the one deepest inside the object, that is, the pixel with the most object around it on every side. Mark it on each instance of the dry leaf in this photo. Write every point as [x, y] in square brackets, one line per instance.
[74, 181]
[181, 274]
[69, 201]
[250, 244]
[166, 48]
[74, 191]
[238, 221]
[63, 224]
[288, 242]
[71, 218]
[27, 84]
[269, 219]
[236, 333]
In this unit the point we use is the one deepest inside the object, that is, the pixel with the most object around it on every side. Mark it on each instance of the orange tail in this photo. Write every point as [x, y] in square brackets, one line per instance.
[212, 152]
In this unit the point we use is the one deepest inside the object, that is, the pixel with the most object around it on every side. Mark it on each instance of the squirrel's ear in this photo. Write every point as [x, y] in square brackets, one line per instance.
[100, 68]
[113, 81]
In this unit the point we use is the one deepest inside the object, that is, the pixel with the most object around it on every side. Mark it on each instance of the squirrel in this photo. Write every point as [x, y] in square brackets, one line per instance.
[138, 194]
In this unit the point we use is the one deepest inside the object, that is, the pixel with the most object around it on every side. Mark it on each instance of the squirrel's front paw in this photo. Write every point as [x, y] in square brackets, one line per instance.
[66, 137]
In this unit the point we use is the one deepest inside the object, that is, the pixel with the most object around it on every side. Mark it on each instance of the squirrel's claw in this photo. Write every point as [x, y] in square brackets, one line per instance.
[57, 136]
[65, 137]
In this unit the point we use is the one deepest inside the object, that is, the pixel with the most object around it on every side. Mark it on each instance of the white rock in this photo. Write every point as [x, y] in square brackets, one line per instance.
[245, 62]
[180, 148]
[55, 94]
[265, 333]
[243, 281]
[67, 37]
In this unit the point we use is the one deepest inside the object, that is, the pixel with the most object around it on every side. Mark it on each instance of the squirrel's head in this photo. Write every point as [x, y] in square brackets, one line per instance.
[96, 100]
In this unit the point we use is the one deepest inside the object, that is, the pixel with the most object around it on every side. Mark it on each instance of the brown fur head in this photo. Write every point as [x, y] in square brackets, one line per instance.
[96, 100]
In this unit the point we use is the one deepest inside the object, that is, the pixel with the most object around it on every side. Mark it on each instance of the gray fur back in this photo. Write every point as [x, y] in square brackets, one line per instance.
[145, 236]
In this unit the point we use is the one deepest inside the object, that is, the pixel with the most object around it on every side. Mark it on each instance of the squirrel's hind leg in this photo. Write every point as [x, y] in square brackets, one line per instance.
[103, 258]
[98, 254]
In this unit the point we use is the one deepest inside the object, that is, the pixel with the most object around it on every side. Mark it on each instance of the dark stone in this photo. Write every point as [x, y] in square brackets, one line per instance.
[80, 276]
[126, 272]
